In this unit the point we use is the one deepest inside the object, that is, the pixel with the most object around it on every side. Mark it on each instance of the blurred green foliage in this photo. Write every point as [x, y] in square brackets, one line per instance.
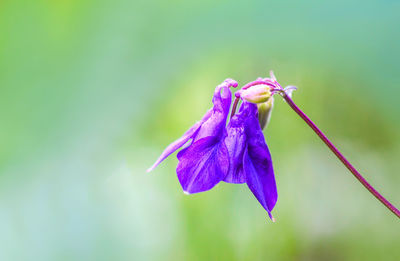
[92, 91]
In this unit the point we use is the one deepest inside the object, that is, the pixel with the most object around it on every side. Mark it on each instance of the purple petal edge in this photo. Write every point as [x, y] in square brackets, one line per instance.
[257, 164]
[181, 141]
[212, 123]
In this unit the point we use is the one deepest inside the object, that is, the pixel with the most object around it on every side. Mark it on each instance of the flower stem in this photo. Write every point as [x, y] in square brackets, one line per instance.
[340, 156]
[234, 107]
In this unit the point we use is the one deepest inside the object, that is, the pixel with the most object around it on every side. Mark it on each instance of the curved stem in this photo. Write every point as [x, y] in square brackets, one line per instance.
[340, 156]
[234, 106]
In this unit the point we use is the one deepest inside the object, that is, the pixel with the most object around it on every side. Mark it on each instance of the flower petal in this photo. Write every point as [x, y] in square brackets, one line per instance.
[182, 140]
[212, 124]
[257, 164]
[203, 165]
[235, 142]
[215, 124]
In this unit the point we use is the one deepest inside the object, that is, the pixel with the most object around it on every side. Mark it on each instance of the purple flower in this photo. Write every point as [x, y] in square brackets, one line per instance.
[236, 153]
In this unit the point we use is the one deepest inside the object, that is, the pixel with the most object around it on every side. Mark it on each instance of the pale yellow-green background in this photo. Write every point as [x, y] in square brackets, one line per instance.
[92, 91]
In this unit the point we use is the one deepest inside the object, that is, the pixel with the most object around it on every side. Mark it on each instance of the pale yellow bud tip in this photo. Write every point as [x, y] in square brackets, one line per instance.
[264, 112]
[256, 94]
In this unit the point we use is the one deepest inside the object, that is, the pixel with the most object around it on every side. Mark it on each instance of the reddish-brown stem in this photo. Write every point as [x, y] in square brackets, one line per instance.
[278, 89]
[340, 156]
[235, 103]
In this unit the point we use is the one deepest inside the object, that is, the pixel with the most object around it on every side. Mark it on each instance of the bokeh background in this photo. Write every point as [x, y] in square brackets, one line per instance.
[92, 91]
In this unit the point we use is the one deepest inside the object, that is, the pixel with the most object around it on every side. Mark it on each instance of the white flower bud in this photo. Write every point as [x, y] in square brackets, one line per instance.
[256, 94]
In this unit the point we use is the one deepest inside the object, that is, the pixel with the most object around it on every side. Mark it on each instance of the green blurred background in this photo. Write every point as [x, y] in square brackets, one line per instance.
[92, 91]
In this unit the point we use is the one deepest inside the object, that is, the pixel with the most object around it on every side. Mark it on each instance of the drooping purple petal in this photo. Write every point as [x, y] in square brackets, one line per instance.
[235, 142]
[212, 124]
[203, 165]
[257, 163]
[215, 124]
[205, 162]
[182, 140]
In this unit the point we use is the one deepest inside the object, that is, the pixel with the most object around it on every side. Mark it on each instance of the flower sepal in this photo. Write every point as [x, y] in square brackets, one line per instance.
[264, 112]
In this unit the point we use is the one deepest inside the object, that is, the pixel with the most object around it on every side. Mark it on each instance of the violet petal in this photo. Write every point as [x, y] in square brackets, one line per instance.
[257, 164]
[235, 142]
[212, 123]
[181, 141]
[215, 124]
[203, 165]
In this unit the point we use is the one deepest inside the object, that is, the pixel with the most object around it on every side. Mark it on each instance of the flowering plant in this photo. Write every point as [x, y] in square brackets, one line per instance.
[213, 151]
